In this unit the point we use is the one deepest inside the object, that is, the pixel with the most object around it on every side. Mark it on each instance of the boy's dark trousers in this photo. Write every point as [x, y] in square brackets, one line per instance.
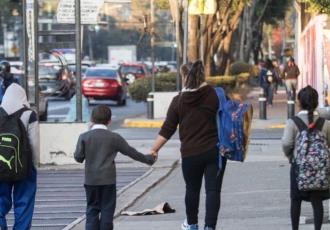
[101, 204]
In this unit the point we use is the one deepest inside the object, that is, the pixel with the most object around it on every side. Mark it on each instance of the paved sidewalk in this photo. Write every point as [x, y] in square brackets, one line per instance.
[255, 196]
[255, 193]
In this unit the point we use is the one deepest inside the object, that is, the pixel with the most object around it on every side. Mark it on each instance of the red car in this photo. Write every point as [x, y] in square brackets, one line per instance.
[133, 71]
[104, 84]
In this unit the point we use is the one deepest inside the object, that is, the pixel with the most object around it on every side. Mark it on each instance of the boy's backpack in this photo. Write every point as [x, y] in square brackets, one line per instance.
[234, 125]
[312, 162]
[15, 150]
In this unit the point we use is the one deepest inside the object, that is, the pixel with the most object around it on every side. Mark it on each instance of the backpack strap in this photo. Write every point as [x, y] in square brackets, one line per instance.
[299, 123]
[221, 96]
[319, 124]
[19, 112]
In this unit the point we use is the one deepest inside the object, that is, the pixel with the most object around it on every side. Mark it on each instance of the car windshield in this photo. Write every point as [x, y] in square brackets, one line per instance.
[131, 69]
[101, 73]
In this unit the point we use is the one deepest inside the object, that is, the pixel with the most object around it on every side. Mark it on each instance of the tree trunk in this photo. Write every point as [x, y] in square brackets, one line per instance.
[224, 58]
[193, 38]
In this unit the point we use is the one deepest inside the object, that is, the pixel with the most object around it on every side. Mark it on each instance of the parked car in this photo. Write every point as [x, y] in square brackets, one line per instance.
[103, 83]
[133, 71]
[55, 78]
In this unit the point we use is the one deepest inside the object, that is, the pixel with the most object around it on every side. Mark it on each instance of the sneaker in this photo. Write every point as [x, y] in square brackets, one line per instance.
[186, 226]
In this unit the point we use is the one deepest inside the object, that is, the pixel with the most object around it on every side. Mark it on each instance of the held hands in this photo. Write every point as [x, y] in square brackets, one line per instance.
[154, 153]
[151, 157]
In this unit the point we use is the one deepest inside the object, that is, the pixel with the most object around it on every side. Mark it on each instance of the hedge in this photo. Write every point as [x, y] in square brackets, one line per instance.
[166, 82]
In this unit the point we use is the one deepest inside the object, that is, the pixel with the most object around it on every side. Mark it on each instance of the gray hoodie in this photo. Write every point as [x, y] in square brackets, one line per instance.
[291, 134]
[15, 99]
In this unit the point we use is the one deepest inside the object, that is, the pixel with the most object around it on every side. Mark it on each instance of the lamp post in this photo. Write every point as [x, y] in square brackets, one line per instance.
[78, 61]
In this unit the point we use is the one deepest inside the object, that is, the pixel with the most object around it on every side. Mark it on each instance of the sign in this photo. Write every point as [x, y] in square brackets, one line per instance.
[89, 11]
[30, 28]
[198, 7]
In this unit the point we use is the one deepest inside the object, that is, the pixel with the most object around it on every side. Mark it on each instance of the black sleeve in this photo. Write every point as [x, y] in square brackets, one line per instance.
[172, 120]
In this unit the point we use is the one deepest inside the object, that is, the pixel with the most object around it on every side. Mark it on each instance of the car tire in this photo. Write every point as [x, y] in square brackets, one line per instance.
[124, 102]
[121, 102]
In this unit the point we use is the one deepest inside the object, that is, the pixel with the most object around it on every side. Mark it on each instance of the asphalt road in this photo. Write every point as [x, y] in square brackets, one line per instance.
[61, 197]
[58, 109]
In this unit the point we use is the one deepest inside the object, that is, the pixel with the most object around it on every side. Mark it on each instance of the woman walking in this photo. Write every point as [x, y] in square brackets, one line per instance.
[267, 80]
[194, 110]
[308, 102]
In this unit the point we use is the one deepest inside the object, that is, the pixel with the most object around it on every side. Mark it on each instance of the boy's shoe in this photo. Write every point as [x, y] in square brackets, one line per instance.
[208, 228]
[186, 226]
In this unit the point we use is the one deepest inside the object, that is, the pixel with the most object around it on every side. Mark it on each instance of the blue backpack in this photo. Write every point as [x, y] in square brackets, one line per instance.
[234, 124]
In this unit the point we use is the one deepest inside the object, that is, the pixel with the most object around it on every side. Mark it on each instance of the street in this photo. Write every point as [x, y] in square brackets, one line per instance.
[58, 110]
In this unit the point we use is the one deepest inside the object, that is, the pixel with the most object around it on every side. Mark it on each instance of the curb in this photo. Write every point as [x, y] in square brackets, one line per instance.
[122, 192]
[278, 126]
[142, 123]
[147, 188]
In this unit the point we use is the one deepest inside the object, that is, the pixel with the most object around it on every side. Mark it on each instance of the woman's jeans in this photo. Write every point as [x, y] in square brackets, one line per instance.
[194, 168]
[291, 87]
[269, 93]
[22, 194]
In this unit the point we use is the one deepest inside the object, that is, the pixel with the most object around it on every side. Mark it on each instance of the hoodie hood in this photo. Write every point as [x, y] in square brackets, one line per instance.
[14, 99]
[196, 97]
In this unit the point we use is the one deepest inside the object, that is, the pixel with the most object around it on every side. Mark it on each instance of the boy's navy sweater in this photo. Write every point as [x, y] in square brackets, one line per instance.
[99, 147]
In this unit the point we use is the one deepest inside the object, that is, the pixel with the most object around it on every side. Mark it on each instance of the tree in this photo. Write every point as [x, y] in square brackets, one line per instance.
[318, 6]
[256, 15]
[217, 34]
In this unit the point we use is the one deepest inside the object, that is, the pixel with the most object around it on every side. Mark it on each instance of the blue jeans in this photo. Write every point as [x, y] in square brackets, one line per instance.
[22, 194]
[269, 93]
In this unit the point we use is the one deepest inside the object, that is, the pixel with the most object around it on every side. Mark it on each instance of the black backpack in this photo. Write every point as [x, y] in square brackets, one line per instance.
[15, 149]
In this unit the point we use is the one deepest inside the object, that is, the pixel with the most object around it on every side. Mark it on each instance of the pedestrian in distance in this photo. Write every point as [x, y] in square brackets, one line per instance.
[290, 74]
[98, 147]
[194, 112]
[267, 81]
[277, 73]
[6, 75]
[306, 142]
[19, 156]
[6, 78]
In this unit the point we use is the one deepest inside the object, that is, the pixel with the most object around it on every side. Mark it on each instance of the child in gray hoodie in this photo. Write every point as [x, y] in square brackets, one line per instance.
[99, 147]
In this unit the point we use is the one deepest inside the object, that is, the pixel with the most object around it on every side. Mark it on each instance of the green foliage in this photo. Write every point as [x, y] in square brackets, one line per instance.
[166, 82]
[319, 6]
[239, 67]
[140, 89]
[275, 11]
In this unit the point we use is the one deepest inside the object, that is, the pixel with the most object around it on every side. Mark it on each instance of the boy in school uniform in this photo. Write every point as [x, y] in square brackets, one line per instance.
[99, 147]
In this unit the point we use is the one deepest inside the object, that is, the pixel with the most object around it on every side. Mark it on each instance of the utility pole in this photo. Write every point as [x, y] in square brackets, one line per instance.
[25, 49]
[152, 31]
[78, 61]
[36, 53]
